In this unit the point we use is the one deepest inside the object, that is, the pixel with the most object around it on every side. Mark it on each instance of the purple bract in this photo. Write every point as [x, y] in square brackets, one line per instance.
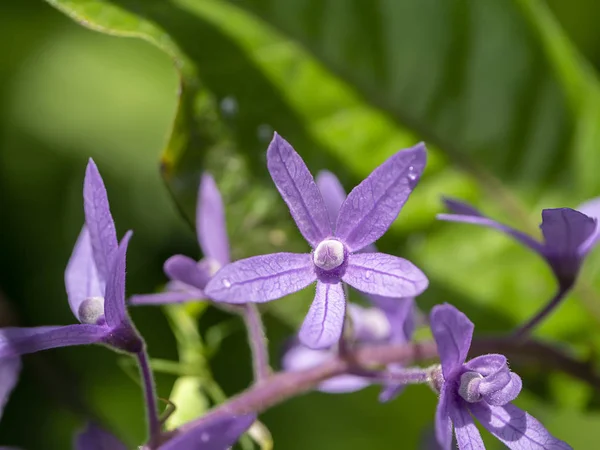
[363, 218]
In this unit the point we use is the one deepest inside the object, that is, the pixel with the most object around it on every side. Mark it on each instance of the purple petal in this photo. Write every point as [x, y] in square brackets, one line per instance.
[467, 434]
[210, 221]
[98, 219]
[515, 428]
[299, 190]
[167, 297]
[374, 204]
[114, 301]
[95, 438]
[299, 358]
[390, 392]
[19, 341]
[385, 275]
[322, 326]
[9, 375]
[565, 231]
[333, 193]
[261, 278]
[452, 331]
[591, 208]
[369, 324]
[400, 313]
[467, 214]
[499, 385]
[185, 269]
[443, 424]
[81, 276]
[220, 433]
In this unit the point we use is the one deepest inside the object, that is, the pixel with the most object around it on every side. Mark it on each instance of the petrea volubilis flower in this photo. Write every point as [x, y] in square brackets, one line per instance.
[568, 235]
[364, 217]
[483, 387]
[369, 326]
[187, 276]
[95, 284]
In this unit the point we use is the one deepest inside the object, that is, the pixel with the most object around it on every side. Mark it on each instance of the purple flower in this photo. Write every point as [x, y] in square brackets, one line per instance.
[369, 326]
[9, 375]
[568, 235]
[95, 284]
[482, 387]
[363, 218]
[188, 277]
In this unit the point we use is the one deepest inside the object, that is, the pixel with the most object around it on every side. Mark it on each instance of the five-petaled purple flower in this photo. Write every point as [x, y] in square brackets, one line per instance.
[568, 234]
[369, 326]
[95, 284]
[187, 276]
[482, 387]
[363, 218]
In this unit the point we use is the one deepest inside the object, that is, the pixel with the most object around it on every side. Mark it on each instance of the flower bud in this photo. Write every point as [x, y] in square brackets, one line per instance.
[469, 386]
[91, 311]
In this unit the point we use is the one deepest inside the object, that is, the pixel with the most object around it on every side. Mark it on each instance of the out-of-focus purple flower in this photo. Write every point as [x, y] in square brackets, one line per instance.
[483, 387]
[219, 433]
[568, 235]
[187, 277]
[369, 326]
[9, 375]
[92, 437]
[95, 284]
[363, 218]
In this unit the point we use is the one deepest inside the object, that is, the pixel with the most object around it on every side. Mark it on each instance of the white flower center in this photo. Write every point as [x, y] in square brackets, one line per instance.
[91, 310]
[469, 386]
[329, 254]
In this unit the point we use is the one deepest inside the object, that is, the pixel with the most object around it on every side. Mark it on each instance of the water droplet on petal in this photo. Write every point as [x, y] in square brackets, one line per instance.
[412, 174]
[368, 274]
[226, 283]
[205, 437]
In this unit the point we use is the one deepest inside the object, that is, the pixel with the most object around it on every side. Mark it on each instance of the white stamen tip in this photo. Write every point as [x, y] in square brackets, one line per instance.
[91, 310]
[329, 254]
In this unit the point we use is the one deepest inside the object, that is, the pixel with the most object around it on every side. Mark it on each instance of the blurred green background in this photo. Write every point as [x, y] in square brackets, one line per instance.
[504, 92]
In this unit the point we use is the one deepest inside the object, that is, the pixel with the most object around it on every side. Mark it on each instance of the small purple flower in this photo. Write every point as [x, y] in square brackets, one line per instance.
[363, 218]
[95, 284]
[568, 235]
[369, 326]
[187, 277]
[482, 387]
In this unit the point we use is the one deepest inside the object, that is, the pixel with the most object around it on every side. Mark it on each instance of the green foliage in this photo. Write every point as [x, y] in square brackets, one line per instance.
[508, 107]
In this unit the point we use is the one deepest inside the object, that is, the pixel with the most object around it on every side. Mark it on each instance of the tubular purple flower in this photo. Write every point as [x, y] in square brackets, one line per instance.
[95, 285]
[568, 235]
[482, 387]
[363, 217]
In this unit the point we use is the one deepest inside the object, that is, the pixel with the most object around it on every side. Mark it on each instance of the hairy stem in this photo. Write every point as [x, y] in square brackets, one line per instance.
[257, 341]
[525, 329]
[154, 427]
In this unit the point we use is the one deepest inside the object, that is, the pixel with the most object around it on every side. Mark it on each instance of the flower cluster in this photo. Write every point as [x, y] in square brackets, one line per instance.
[341, 230]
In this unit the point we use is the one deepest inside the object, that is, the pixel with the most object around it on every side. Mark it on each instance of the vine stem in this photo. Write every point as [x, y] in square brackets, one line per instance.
[257, 341]
[524, 330]
[154, 427]
[284, 385]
